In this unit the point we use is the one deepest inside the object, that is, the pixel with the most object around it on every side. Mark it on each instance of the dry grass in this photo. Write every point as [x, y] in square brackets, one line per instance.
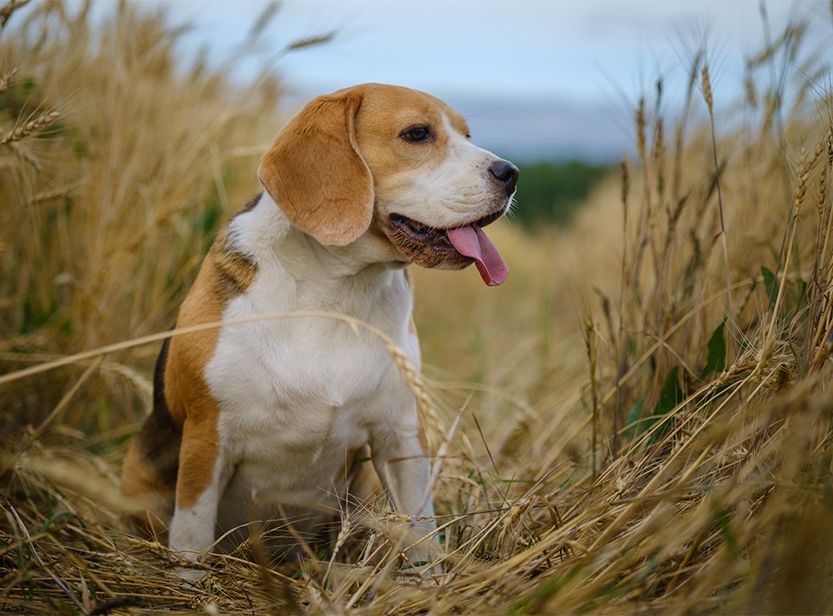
[636, 421]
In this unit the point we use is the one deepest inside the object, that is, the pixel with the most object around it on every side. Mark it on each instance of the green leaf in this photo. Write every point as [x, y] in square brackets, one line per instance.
[770, 285]
[727, 533]
[29, 86]
[800, 294]
[632, 428]
[631, 347]
[716, 361]
[671, 394]
[54, 517]
[547, 588]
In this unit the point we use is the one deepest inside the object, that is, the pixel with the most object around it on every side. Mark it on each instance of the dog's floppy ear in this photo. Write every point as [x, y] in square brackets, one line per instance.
[315, 173]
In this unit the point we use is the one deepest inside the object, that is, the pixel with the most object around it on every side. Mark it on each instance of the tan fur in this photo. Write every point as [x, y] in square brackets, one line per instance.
[224, 274]
[330, 163]
[235, 272]
[384, 111]
[187, 393]
[314, 171]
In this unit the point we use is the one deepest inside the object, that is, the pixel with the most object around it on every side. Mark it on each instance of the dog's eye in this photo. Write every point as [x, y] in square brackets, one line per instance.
[416, 134]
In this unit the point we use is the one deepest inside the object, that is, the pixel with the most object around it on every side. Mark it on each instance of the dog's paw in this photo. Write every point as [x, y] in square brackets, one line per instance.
[190, 576]
[189, 571]
[419, 572]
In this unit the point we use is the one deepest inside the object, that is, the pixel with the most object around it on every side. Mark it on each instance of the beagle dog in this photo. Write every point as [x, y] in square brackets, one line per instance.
[272, 419]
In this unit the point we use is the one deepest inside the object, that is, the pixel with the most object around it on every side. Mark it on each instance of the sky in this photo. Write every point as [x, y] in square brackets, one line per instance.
[535, 78]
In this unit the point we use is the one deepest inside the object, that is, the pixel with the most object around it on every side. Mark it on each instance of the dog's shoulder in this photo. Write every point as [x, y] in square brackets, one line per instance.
[227, 271]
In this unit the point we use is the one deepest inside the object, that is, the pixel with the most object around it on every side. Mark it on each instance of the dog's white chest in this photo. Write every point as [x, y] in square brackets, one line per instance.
[298, 395]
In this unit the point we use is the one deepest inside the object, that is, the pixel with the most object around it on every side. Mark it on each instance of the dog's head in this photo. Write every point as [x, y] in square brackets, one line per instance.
[396, 164]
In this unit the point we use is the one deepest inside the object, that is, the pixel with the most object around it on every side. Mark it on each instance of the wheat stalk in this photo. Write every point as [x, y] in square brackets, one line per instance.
[9, 9]
[718, 502]
[30, 127]
[798, 199]
[49, 195]
[7, 79]
[707, 96]
[401, 360]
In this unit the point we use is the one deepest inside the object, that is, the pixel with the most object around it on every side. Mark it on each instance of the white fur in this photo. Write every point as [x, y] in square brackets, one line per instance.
[297, 395]
[457, 191]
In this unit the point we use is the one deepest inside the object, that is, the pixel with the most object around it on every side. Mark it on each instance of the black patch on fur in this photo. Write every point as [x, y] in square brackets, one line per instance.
[160, 436]
[250, 204]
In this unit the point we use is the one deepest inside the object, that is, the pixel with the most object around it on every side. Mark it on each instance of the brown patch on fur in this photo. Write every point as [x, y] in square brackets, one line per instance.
[385, 112]
[317, 176]
[174, 454]
[189, 398]
[198, 454]
[235, 270]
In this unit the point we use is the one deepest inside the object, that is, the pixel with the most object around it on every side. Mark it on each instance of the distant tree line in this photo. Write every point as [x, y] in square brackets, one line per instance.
[551, 191]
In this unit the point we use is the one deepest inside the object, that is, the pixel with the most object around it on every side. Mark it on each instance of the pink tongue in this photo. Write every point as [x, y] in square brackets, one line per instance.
[471, 242]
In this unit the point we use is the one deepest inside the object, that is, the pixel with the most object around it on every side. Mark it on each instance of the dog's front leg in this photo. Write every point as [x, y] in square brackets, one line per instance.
[405, 472]
[204, 470]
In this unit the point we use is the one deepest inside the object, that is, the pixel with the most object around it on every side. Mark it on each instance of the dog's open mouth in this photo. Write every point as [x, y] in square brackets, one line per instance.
[468, 241]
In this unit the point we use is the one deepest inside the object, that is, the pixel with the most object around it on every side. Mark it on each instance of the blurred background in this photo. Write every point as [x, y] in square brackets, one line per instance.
[636, 403]
[538, 80]
[549, 85]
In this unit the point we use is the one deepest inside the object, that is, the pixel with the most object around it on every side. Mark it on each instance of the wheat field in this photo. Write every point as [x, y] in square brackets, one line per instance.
[639, 420]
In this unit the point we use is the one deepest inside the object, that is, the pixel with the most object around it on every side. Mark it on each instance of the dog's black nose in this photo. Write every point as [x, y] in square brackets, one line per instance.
[506, 173]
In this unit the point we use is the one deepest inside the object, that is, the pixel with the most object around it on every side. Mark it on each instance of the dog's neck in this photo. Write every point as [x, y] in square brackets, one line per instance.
[265, 233]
